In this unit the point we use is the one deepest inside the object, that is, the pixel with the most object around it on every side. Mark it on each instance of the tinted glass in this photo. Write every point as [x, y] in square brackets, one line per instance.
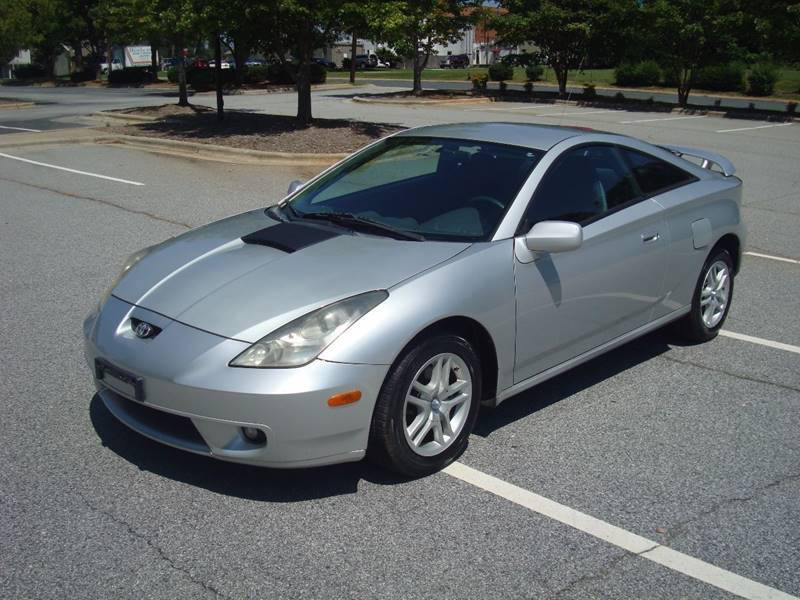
[653, 174]
[583, 185]
[441, 188]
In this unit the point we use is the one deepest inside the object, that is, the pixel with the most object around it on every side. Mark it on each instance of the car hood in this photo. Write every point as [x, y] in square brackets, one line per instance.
[210, 279]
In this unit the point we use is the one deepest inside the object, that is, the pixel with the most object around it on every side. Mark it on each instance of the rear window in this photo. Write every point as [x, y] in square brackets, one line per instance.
[653, 174]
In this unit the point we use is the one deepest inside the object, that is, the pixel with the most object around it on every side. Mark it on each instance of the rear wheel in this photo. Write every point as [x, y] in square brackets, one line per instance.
[712, 299]
[427, 407]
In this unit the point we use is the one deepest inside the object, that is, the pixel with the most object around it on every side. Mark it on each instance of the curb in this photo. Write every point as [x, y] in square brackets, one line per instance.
[16, 105]
[105, 114]
[476, 100]
[221, 153]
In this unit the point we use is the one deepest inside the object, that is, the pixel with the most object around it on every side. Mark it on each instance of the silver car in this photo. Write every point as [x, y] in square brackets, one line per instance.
[375, 309]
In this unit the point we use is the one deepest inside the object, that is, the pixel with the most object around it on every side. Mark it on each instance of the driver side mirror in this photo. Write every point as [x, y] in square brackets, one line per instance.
[294, 186]
[554, 236]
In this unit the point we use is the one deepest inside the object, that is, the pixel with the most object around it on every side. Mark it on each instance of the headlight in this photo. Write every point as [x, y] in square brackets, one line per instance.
[301, 341]
[127, 266]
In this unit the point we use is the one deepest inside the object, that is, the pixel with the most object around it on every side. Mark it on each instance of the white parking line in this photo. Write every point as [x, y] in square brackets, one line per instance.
[636, 544]
[577, 113]
[534, 107]
[780, 258]
[749, 128]
[665, 119]
[41, 164]
[21, 128]
[761, 341]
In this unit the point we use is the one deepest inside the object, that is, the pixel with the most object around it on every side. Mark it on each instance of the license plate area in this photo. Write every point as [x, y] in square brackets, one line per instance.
[127, 384]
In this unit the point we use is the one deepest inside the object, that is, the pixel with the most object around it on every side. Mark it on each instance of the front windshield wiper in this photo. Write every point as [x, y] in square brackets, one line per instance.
[355, 222]
[281, 212]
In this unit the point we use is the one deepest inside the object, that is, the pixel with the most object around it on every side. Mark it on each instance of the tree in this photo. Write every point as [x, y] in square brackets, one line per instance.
[296, 28]
[566, 31]
[771, 28]
[687, 35]
[414, 27]
[16, 29]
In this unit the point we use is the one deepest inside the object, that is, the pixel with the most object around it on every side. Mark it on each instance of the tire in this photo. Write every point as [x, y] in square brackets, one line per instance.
[456, 408]
[697, 326]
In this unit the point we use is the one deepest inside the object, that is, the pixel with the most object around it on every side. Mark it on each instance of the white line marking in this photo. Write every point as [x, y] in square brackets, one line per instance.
[780, 258]
[665, 119]
[761, 341]
[646, 548]
[749, 128]
[41, 164]
[21, 128]
[577, 113]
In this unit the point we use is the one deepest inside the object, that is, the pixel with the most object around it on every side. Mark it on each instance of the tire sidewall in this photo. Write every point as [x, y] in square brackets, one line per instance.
[696, 315]
[404, 458]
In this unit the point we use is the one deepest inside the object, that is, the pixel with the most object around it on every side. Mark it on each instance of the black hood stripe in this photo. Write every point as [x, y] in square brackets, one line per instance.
[289, 237]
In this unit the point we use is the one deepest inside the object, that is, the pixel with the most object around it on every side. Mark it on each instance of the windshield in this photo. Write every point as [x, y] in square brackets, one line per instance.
[439, 188]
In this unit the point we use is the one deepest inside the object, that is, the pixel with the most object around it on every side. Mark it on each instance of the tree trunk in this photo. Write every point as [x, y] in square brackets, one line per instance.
[353, 50]
[218, 77]
[303, 80]
[684, 86]
[561, 77]
[154, 58]
[183, 97]
[109, 56]
[240, 52]
[417, 88]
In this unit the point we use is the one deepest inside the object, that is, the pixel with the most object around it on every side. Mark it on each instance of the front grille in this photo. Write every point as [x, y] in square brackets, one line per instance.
[167, 427]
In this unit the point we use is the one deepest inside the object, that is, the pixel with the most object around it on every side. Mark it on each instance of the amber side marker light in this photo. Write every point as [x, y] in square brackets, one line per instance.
[345, 398]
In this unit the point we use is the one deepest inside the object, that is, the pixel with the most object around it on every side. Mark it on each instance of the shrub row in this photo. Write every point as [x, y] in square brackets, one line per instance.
[29, 71]
[132, 75]
[728, 77]
[203, 78]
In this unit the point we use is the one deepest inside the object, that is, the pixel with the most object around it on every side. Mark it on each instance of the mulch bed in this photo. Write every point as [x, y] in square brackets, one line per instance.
[255, 131]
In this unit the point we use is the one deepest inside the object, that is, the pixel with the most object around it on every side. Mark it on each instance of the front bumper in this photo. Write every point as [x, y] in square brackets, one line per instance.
[194, 401]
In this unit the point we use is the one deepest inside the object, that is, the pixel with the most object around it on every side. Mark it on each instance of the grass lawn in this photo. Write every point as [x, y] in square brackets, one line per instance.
[788, 83]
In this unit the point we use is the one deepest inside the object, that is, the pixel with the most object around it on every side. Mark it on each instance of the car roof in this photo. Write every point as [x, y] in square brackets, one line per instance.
[527, 135]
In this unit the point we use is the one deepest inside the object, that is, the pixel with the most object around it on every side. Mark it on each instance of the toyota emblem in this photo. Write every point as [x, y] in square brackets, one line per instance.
[143, 330]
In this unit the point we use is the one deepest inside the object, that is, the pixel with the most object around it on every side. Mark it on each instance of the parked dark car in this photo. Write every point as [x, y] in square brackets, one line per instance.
[328, 64]
[455, 61]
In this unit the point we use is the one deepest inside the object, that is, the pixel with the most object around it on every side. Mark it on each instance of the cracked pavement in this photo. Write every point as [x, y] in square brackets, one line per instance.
[693, 447]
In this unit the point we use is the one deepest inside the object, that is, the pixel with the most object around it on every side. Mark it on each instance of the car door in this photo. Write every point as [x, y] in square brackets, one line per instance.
[571, 302]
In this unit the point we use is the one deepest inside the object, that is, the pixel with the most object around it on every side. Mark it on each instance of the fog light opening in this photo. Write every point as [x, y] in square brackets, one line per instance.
[254, 436]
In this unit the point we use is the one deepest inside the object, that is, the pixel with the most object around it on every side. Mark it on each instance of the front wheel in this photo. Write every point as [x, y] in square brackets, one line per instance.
[712, 299]
[427, 407]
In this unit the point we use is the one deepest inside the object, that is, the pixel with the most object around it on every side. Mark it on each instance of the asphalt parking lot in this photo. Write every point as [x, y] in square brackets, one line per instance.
[659, 470]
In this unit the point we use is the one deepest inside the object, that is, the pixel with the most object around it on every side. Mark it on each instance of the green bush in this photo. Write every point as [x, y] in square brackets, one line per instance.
[255, 74]
[204, 78]
[131, 75]
[29, 71]
[318, 73]
[85, 74]
[644, 73]
[172, 74]
[519, 60]
[533, 72]
[278, 73]
[479, 81]
[501, 72]
[762, 79]
[720, 78]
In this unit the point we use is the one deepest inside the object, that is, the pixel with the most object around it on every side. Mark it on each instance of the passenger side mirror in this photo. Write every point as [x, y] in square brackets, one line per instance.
[554, 236]
[294, 186]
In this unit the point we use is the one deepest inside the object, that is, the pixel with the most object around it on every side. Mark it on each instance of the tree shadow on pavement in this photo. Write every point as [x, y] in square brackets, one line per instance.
[232, 479]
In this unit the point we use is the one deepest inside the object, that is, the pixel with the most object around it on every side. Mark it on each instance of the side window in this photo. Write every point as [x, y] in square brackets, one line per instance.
[582, 186]
[653, 174]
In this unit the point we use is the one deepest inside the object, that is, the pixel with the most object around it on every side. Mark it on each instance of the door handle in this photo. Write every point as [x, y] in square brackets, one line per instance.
[648, 238]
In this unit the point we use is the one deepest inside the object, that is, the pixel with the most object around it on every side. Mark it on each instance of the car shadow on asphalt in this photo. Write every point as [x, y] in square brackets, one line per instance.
[575, 380]
[232, 479]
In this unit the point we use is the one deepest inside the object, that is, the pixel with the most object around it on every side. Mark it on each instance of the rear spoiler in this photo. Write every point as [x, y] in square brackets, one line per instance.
[709, 158]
